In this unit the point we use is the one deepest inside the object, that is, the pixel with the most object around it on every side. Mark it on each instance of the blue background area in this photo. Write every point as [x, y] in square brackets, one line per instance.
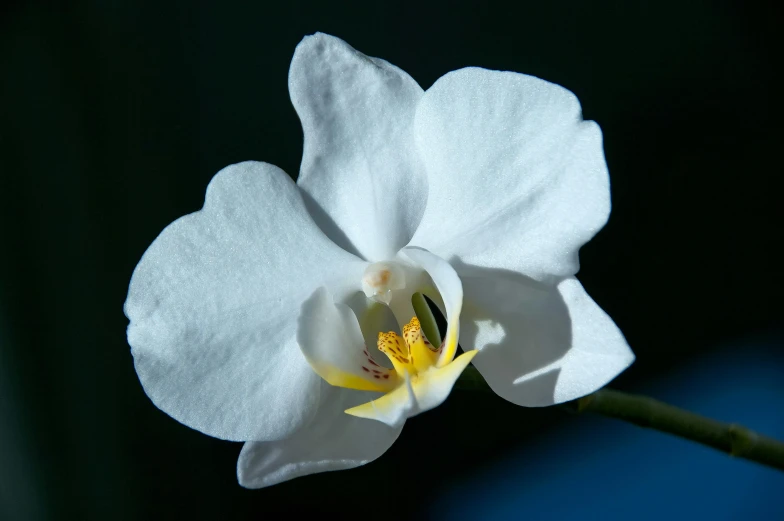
[600, 468]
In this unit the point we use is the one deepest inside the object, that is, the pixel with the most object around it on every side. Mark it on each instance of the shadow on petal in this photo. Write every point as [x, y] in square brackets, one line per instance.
[521, 327]
[539, 388]
[327, 224]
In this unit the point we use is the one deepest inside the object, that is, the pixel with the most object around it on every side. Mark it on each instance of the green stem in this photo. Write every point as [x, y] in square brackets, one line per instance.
[731, 438]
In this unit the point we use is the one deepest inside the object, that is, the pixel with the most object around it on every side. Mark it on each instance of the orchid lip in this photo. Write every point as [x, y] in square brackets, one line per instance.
[423, 370]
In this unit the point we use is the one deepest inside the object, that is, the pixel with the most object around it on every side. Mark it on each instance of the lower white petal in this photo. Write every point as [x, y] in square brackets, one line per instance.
[332, 441]
[539, 344]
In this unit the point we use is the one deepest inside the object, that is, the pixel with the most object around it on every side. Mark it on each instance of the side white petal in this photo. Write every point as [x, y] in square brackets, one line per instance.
[332, 441]
[539, 344]
[599, 351]
[450, 290]
[213, 305]
[365, 183]
[517, 180]
[330, 338]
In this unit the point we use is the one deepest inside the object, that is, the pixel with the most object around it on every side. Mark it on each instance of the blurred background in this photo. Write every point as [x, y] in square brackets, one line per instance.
[116, 114]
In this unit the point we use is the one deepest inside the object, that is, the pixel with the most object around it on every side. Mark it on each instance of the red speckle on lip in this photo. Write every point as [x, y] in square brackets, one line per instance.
[365, 369]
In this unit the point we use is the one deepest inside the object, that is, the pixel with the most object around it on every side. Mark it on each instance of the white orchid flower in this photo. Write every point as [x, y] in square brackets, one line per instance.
[248, 318]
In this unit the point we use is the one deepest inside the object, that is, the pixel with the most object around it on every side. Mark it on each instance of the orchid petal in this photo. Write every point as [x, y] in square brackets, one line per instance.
[539, 344]
[517, 180]
[331, 340]
[368, 189]
[332, 441]
[213, 306]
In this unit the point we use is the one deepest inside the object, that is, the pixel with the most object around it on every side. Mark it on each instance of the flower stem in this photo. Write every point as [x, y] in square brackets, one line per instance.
[734, 439]
[731, 438]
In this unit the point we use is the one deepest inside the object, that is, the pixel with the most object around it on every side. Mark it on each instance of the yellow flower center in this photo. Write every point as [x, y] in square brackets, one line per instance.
[410, 354]
[416, 374]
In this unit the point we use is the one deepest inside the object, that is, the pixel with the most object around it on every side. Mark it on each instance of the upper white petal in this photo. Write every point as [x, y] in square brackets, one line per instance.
[539, 344]
[517, 179]
[360, 169]
[333, 440]
[213, 307]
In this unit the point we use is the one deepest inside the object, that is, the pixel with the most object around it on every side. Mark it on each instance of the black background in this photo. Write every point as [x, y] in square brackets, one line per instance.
[115, 115]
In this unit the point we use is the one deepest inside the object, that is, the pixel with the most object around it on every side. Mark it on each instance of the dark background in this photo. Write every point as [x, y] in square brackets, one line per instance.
[115, 115]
